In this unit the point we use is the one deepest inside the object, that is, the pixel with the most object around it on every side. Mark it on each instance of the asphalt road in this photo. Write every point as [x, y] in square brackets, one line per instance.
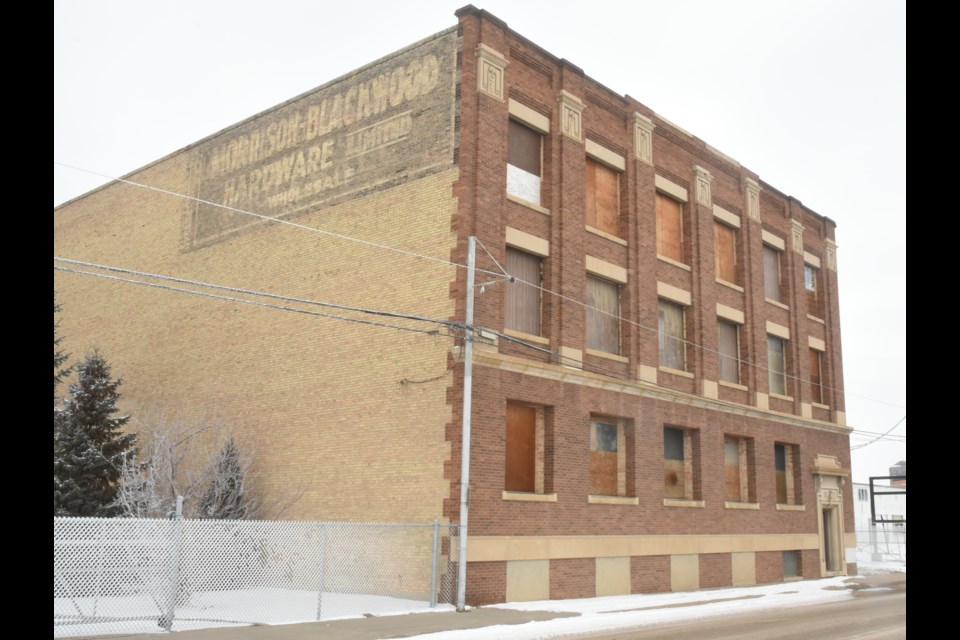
[878, 611]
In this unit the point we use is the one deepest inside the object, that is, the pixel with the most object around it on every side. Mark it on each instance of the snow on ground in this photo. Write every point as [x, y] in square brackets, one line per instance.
[225, 609]
[280, 606]
[869, 567]
[608, 613]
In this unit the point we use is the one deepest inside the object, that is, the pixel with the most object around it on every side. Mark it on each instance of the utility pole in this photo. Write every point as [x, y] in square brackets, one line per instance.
[468, 335]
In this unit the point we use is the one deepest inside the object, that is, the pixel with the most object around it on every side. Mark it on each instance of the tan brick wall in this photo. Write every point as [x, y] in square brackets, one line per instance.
[336, 410]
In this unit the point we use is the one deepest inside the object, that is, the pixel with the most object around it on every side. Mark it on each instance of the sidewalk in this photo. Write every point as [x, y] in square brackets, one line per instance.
[408, 625]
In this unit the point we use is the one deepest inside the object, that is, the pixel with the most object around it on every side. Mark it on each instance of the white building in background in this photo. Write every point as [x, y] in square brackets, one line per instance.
[886, 541]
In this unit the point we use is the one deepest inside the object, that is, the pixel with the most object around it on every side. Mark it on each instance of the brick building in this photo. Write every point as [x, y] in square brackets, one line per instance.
[661, 411]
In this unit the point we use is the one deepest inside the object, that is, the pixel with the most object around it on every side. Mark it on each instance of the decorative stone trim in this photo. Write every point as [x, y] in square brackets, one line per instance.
[753, 199]
[816, 343]
[791, 507]
[729, 313]
[811, 259]
[528, 497]
[710, 389]
[831, 254]
[676, 502]
[778, 330]
[796, 236]
[762, 401]
[626, 500]
[571, 358]
[527, 242]
[674, 294]
[528, 116]
[773, 240]
[610, 158]
[703, 180]
[670, 188]
[490, 71]
[728, 217]
[643, 138]
[605, 269]
[571, 115]
[646, 373]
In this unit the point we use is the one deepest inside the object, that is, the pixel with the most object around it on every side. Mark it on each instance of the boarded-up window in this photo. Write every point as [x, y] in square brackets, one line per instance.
[771, 273]
[521, 448]
[603, 198]
[816, 381]
[780, 465]
[725, 252]
[522, 298]
[672, 336]
[669, 228]
[810, 276]
[605, 458]
[729, 351]
[674, 469]
[737, 465]
[776, 365]
[603, 315]
[731, 468]
[524, 162]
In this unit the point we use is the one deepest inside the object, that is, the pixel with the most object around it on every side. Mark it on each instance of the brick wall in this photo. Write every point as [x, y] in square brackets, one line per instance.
[649, 574]
[573, 578]
[352, 416]
[716, 570]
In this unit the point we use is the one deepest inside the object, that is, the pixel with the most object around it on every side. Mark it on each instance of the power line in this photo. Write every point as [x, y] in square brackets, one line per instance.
[502, 272]
[390, 314]
[432, 332]
[860, 446]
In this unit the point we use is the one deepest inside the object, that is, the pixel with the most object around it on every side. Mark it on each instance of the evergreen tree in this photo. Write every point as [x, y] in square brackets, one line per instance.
[89, 446]
[59, 357]
[224, 497]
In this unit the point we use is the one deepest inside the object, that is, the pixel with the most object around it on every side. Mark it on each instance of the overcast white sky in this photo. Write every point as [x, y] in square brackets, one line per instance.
[811, 95]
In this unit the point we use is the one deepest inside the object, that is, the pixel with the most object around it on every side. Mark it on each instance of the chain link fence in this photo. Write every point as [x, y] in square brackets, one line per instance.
[882, 543]
[137, 575]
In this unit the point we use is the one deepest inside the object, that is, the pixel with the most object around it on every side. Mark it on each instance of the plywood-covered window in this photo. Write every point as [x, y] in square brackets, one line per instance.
[771, 273]
[777, 365]
[524, 162]
[608, 457]
[524, 464]
[678, 467]
[669, 228]
[816, 377]
[811, 277]
[737, 457]
[603, 197]
[672, 336]
[603, 315]
[728, 339]
[725, 252]
[522, 298]
[785, 466]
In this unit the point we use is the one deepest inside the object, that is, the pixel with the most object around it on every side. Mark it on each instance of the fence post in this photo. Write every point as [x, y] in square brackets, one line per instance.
[166, 620]
[433, 564]
[323, 564]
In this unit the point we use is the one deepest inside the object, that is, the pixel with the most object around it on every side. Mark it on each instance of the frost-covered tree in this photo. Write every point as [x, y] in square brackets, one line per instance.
[224, 497]
[89, 445]
[203, 462]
